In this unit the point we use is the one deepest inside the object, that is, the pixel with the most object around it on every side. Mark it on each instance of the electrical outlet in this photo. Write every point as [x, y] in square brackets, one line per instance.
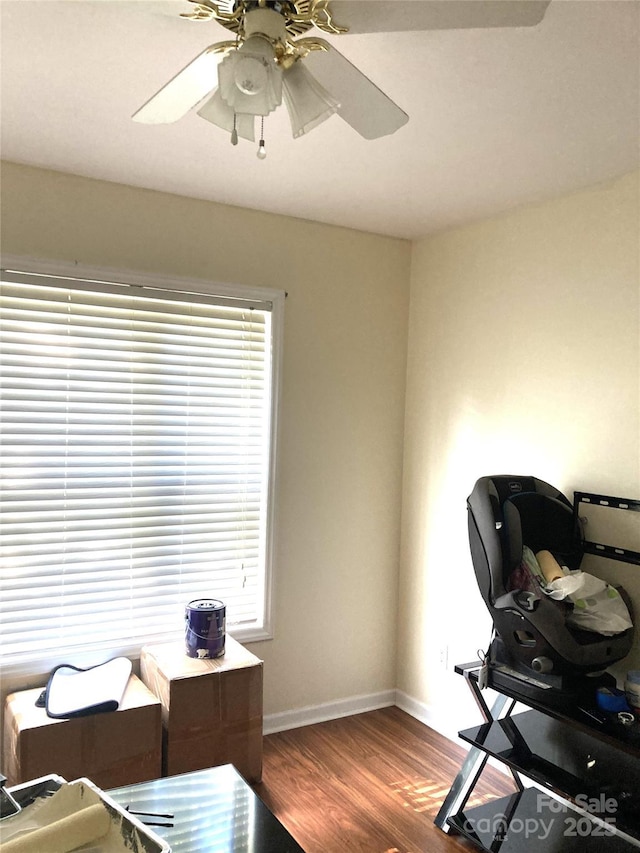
[444, 657]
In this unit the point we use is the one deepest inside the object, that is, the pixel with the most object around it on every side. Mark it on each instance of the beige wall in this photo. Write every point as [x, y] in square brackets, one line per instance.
[524, 354]
[341, 420]
[524, 351]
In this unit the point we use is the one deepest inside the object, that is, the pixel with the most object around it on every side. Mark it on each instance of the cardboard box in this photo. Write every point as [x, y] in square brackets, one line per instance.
[111, 749]
[211, 709]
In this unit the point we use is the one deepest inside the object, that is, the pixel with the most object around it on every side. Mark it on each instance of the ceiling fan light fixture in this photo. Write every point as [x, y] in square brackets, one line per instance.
[308, 102]
[249, 78]
[221, 114]
[250, 75]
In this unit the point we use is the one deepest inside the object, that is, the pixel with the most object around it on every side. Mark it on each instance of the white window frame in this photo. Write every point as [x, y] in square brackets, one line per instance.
[177, 284]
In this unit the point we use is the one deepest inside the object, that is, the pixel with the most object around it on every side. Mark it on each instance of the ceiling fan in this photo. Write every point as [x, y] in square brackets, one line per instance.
[270, 60]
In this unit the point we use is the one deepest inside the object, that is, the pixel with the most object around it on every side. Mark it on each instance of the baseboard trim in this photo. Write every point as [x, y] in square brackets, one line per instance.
[420, 710]
[311, 714]
[445, 724]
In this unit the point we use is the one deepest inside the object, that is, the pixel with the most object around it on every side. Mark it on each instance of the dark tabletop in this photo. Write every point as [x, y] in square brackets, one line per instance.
[213, 811]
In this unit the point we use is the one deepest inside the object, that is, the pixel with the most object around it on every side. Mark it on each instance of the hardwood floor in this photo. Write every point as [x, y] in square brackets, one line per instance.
[371, 783]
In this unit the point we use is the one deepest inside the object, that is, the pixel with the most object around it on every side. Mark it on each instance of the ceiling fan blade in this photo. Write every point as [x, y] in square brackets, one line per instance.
[395, 16]
[361, 103]
[186, 89]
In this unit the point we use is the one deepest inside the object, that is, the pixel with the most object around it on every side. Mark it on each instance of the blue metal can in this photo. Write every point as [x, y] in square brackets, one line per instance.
[205, 628]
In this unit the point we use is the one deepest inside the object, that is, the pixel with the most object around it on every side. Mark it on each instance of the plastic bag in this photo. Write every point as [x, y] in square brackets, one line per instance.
[597, 606]
[566, 586]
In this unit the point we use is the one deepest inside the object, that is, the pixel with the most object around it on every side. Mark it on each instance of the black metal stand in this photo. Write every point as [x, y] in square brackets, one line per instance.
[476, 759]
[577, 775]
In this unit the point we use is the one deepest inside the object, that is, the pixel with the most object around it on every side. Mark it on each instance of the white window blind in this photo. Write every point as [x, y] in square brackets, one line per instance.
[135, 456]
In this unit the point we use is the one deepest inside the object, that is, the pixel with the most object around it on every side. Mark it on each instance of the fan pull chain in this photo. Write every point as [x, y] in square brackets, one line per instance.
[234, 132]
[261, 153]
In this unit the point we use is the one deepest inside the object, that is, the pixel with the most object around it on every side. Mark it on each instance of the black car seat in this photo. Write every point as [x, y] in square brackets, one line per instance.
[505, 513]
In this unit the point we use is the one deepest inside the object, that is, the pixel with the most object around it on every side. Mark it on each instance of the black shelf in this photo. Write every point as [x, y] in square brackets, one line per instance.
[611, 731]
[565, 759]
[525, 823]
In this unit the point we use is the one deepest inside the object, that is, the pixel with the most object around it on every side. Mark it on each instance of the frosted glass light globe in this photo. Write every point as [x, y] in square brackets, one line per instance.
[250, 75]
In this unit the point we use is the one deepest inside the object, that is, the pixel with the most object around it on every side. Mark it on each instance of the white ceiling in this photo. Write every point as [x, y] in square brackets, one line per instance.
[498, 117]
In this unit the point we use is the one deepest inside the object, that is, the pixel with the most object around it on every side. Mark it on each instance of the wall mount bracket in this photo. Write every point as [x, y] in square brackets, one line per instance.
[583, 500]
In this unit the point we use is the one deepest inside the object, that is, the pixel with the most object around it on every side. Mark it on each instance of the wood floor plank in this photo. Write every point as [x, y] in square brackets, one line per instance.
[370, 783]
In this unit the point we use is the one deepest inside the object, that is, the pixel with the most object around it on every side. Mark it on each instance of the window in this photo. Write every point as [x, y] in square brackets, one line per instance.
[137, 451]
